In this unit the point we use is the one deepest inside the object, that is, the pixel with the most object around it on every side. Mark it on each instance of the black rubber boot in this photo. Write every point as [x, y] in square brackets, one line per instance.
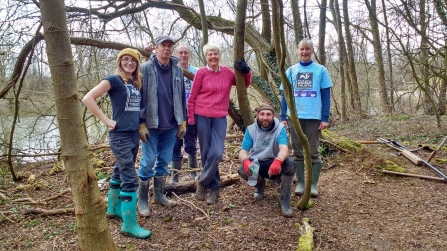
[143, 193]
[260, 186]
[159, 192]
[176, 165]
[316, 169]
[299, 165]
[192, 163]
[286, 190]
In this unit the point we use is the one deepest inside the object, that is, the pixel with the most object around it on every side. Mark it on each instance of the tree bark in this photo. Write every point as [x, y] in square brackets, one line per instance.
[90, 208]
[322, 34]
[377, 45]
[297, 23]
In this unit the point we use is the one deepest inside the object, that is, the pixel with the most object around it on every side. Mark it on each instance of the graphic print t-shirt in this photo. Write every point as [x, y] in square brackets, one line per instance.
[307, 81]
[125, 99]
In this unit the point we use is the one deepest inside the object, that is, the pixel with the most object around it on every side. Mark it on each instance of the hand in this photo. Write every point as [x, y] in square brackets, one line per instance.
[275, 167]
[323, 125]
[144, 132]
[110, 123]
[181, 130]
[242, 66]
[246, 163]
[191, 129]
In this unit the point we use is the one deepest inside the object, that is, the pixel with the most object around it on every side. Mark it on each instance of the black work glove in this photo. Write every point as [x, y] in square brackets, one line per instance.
[242, 66]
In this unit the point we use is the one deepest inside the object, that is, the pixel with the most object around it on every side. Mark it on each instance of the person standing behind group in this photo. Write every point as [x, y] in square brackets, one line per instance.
[190, 139]
[207, 110]
[162, 118]
[124, 137]
[312, 92]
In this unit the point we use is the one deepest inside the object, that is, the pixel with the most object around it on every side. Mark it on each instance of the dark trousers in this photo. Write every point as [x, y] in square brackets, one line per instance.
[287, 168]
[124, 146]
[190, 141]
[211, 133]
[310, 129]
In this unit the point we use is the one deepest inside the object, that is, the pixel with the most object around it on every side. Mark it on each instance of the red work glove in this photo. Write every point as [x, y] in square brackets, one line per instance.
[246, 163]
[275, 167]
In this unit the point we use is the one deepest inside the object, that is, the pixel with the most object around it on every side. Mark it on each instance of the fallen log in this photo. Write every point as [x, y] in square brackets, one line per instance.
[190, 186]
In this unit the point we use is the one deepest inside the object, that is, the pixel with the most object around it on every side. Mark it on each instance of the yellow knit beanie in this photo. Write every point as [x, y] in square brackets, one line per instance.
[131, 52]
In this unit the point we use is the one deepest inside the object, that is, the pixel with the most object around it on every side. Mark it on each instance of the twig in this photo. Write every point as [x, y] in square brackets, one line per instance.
[191, 204]
[49, 212]
[8, 218]
[30, 200]
[55, 196]
[335, 145]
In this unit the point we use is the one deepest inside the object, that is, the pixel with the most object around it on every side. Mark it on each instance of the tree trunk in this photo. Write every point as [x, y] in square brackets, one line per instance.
[90, 208]
[335, 10]
[297, 23]
[427, 106]
[377, 45]
[355, 100]
[203, 22]
[389, 56]
[239, 37]
[281, 52]
[322, 34]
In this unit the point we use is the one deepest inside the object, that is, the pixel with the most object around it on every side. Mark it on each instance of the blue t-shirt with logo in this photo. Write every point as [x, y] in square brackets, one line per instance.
[125, 99]
[188, 82]
[307, 82]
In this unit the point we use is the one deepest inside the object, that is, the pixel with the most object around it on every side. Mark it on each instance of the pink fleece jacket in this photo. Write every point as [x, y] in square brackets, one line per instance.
[210, 93]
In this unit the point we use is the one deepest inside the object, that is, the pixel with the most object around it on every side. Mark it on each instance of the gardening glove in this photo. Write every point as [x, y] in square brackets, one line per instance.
[181, 130]
[275, 167]
[242, 66]
[144, 132]
[246, 163]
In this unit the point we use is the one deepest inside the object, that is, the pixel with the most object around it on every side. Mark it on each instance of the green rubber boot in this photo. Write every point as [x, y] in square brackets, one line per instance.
[176, 165]
[159, 192]
[299, 165]
[192, 163]
[113, 200]
[286, 190]
[316, 168]
[129, 214]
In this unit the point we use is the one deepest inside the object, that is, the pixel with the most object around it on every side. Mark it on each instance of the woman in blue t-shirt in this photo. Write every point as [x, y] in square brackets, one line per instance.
[123, 90]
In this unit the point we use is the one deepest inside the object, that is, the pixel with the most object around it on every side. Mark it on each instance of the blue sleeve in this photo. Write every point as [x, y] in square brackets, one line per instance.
[282, 137]
[283, 112]
[247, 142]
[325, 104]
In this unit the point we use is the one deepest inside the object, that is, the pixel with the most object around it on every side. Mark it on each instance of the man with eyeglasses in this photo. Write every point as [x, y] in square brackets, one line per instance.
[190, 140]
[162, 119]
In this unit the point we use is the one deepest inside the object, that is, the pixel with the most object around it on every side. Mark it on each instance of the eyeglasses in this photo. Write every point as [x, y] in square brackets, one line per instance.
[126, 60]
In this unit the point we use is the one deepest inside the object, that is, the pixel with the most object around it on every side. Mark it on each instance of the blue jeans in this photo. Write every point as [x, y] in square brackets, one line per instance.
[190, 140]
[158, 147]
[211, 133]
[124, 146]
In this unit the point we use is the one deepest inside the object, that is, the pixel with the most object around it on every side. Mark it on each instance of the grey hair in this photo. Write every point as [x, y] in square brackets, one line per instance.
[185, 45]
[210, 47]
[306, 41]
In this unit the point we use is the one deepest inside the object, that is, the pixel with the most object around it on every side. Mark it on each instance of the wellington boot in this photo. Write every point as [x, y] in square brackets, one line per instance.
[200, 189]
[159, 192]
[143, 193]
[260, 186]
[213, 197]
[176, 165]
[129, 213]
[316, 169]
[113, 200]
[299, 165]
[192, 163]
[286, 190]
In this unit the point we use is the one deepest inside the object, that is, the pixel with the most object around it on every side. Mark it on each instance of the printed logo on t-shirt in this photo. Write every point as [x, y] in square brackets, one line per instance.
[304, 82]
[263, 142]
[188, 86]
[133, 99]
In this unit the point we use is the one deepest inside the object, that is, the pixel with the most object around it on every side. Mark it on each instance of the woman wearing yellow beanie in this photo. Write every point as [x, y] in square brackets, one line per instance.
[123, 90]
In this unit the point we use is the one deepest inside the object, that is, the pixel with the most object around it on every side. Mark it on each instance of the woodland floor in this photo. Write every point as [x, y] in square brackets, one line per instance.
[359, 207]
